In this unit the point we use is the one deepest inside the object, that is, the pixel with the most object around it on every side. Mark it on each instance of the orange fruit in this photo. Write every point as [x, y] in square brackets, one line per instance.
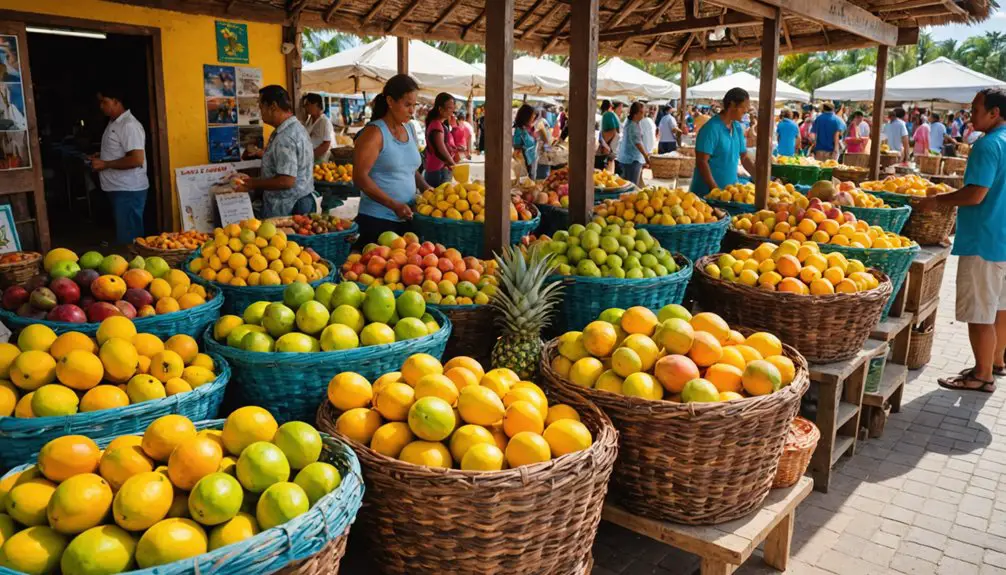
[725, 377]
[706, 349]
[712, 324]
[639, 319]
[193, 459]
[165, 434]
[67, 456]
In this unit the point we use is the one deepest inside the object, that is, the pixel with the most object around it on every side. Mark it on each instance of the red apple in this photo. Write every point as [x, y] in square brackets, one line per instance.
[126, 308]
[414, 259]
[66, 290]
[27, 310]
[101, 310]
[14, 297]
[430, 261]
[412, 275]
[426, 248]
[68, 313]
[445, 265]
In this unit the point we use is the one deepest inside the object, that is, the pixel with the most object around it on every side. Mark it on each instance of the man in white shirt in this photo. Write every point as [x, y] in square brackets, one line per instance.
[318, 126]
[937, 133]
[649, 129]
[896, 134]
[122, 166]
[668, 133]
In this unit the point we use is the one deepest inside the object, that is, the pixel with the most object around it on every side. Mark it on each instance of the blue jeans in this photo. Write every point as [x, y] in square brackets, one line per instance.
[305, 205]
[542, 172]
[632, 171]
[128, 210]
[436, 177]
[666, 147]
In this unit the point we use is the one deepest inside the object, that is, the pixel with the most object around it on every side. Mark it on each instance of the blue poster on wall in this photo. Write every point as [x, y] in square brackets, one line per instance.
[232, 42]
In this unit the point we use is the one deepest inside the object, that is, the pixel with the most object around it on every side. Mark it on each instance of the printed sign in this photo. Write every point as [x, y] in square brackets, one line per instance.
[14, 149]
[234, 208]
[232, 42]
[195, 191]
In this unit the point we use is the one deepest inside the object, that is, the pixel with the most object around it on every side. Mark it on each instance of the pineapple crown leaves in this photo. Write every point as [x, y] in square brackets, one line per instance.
[524, 301]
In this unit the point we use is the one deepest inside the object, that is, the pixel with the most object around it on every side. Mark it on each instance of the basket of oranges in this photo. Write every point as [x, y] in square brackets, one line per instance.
[174, 247]
[816, 300]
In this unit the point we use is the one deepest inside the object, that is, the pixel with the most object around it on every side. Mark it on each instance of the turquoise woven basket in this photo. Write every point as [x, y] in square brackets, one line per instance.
[891, 219]
[584, 298]
[273, 549]
[601, 194]
[894, 199]
[894, 262]
[797, 174]
[732, 208]
[553, 219]
[691, 240]
[189, 321]
[23, 438]
[291, 385]
[237, 298]
[333, 246]
[467, 237]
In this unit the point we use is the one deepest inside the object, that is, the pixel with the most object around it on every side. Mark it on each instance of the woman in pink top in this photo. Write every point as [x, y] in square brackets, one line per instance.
[438, 159]
[459, 138]
[921, 138]
[854, 142]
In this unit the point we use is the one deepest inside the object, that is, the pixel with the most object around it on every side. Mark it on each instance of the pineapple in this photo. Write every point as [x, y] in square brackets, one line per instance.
[523, 305]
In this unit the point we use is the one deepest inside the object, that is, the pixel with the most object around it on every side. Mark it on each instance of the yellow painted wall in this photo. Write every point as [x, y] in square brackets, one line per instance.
[187, 41]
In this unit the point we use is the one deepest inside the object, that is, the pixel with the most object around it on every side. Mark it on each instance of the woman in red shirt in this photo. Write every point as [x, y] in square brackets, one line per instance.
[438, 159]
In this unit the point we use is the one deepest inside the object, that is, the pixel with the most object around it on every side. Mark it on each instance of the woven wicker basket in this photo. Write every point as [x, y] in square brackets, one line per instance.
[665, 167]
[856, 159]
[341, 154]
[823, 328]
[888, 159]
[800, 444]
[929, 164]
[891, 219]
[173, 257]
[694, 463]
[584, 298]
[535, 519]
[686, 165]
[310, 544]
[688, 151]
[23, 438]
[856, 176]
[19, 272]
[932, 226]
[468, 237]
[893, 261]
[690, 240]
[736, 239]
[954, 166]
[920, 347]
[553, 219]
[601, 194]
[291, 384]
[731, 208]
[333, 246]
[190, 321]
[473, 332]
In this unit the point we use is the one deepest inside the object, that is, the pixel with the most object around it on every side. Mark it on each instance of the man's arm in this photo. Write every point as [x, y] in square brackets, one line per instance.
[322, 148]
[905, 147]
[705, 172]
[748, 163]
[970, 195]
[286, 167]
[132, 159]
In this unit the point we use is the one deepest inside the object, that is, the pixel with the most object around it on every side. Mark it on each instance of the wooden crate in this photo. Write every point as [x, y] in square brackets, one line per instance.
[887, 399]
[900, 298]
[836, 397]
[896, 332]
[724, 547]
[925, 277]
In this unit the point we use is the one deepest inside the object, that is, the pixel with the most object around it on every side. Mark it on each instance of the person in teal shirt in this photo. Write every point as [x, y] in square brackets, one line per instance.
[720, 146]
[981, 245]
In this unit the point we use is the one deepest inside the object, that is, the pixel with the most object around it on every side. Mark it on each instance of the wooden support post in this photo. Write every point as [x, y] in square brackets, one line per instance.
[499, 140]
[766, 106]
[292, 34]
[683, 102]
[878, 112]
[583, 31]
[403, 55]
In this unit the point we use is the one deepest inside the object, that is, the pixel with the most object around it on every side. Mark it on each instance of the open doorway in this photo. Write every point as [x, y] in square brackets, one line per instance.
[67, 72]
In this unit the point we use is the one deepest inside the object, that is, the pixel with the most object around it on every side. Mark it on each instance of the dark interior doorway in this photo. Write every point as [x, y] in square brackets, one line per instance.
[67, 73]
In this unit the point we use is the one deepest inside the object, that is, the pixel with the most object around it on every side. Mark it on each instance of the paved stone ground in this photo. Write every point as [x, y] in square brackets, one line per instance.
[929, 497]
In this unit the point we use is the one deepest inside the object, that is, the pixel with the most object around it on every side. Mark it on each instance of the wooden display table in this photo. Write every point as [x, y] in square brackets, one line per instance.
[724, 547]
[925, 276]
[897, 332]
[839, 388]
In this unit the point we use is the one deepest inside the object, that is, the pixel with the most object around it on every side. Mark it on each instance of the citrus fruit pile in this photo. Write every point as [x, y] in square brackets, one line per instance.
[793, 267]
[454, 201]
[255, 253]
[745, 194]
[908, 185]
[45, 375]
[455, 415]
[18, 257]
[331, 172]
[606, 179]
[170, 494]
[331, 318]
[188, 240]
[820, 222]
[94, 287]
[660, 206]
[441, 274]
[611, 250]
[672, 356]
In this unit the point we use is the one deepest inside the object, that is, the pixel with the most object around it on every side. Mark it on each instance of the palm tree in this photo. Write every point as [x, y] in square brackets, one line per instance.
[318, 44]
[470, 53]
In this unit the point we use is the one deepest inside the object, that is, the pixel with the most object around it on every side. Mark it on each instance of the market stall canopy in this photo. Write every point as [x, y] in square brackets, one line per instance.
[616, 77]
[856, 88]
[940, 79]
[716, 88]
[366, 68]
[537, 76]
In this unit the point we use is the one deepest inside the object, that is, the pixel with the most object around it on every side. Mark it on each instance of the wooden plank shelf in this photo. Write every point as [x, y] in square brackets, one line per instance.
[842, 444]
[726, 546]
[893, 380]
[896, 331]
[846, 411]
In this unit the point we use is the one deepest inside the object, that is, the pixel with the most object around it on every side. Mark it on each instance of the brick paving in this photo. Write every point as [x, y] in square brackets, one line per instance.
[927, 498]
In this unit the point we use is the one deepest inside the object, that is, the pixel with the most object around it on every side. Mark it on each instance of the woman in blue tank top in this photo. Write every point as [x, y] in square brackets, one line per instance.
[386, 161]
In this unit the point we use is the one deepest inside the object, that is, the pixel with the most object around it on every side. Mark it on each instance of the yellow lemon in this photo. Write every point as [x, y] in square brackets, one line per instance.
[560, 411]
[522, 416]
[483, 457]
[567, 436]
[391, 438]
[526, 448]
[349, 390]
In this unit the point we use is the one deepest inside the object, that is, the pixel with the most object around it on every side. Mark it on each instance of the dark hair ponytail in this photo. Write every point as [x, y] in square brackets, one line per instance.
[397, 87]
[434, 113]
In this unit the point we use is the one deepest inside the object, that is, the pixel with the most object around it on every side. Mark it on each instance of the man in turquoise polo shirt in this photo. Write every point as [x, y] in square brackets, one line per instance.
[981, 245]
[720, 146]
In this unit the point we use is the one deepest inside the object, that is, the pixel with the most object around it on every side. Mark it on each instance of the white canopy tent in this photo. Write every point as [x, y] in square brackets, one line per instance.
[366, 68]
[536, 76]
[716, 88]
[619, 78]
[940, 79]
[857, 88]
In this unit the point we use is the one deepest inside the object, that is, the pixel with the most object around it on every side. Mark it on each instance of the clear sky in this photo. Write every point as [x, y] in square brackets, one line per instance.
[959, 32]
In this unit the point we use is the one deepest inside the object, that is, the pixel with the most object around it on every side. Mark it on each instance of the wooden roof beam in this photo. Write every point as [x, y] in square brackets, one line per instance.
[330, 11]
[785, 34]
[443, 17]
[537, 24]
[655, 19]
[555, 35]
[527, 15]
[403, 16]
[473, 24]
[842, 15]
[749, 7]
[627, 9]
[907, 5]
[807, 43]
[687, 25]
[373, 11]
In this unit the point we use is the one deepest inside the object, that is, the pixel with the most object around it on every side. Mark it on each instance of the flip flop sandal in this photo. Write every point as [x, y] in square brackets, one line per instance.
[996, 370]
[966, 382]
